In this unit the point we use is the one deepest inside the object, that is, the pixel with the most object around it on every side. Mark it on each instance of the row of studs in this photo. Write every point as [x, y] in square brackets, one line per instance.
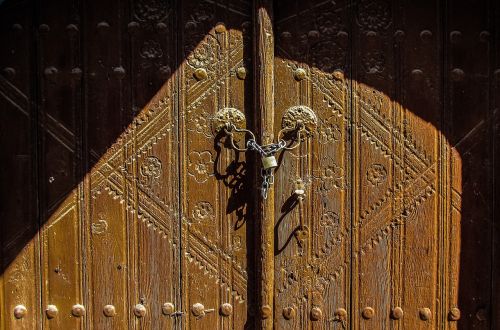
[168, 309]
[316, 313]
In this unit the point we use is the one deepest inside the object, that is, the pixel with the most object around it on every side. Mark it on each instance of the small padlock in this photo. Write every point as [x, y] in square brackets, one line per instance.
[269, 162]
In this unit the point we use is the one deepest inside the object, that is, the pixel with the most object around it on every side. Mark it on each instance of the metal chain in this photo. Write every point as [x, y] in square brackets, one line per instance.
[266, 151]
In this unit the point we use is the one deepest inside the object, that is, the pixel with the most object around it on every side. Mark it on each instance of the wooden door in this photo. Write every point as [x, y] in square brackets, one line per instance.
[384, 238]
[127, 211]
[125, 205]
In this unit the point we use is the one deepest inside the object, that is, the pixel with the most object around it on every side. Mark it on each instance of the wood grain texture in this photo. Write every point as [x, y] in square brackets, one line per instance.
[264, 122]
[213, 213]
[19, 238]
[313, 272]
[117, 191]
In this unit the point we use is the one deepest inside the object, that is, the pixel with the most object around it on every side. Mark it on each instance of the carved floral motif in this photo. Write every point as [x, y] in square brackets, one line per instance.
[331, 176]
[203, 210]
[329, 22]
[376, 174]
[200, 123]
[329, 219]
[151, 49]
[200, 165]
[151, 10]
[202, 56]
[151, 170]
[374, 15]
[328, 56]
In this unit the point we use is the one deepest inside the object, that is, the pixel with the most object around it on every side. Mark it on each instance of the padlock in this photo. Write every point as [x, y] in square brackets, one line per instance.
[269, 162]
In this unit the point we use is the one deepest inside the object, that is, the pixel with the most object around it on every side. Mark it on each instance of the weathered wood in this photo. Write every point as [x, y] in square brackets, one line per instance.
[264, 120]
[123, 208]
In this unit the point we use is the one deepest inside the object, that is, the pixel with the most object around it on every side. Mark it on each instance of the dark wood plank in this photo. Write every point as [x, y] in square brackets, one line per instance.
[19, 225]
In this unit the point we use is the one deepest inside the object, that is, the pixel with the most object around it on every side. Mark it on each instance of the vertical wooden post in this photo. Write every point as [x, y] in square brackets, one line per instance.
[264, 123]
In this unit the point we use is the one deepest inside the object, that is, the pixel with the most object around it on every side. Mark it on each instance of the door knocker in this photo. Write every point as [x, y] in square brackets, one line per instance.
[298, 123]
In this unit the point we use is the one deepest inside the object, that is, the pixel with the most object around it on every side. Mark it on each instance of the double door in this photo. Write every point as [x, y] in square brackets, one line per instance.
[167, 217]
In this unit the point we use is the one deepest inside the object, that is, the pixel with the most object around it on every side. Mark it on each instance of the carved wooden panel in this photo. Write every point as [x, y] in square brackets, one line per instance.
[387, 124]
[214, 182]
[313, 265]
[123, 208]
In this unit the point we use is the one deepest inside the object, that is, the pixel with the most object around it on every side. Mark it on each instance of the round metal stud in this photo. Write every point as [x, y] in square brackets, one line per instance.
[72, 29]
[299, 74]
[78, 310]
[338, 74]
[132, 27]
[226, 309]
[17, 27]
[168, 309]
[109, 310]
[341, 313]
[399, 35]
[481, 314]
[102, 26]
[161, 27]
[368, 313]
[424, 314]
[316, 314]
[220, 28]
[241, 72]
[165, 71]
[76, 73]
[425, 35]
[454, 314]
[313, 34]
[455, 36]
[119, 72]
[139, 310]
[20, 311]
[342, 34]
[200, 74]
[289, 313]
[484, 36]
[417, 74]
[397, 313]
[266, 311]
[43, 28]
[286, 35]
[457, 74]
[198, 309]
[9, 72]
[50, 71]
[51, 311]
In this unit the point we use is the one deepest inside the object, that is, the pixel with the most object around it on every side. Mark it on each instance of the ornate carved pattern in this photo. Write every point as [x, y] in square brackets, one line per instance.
[330, 175]
[376, 174]
[374, 15]
[151, 49]
[329, 131]
[202, 56]
[300, 113]
[329, 23]
[228, 115]
[151, 10]
[328, 56]
[151, 170]
[200, 165]
[202, 211]
[374, 62]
